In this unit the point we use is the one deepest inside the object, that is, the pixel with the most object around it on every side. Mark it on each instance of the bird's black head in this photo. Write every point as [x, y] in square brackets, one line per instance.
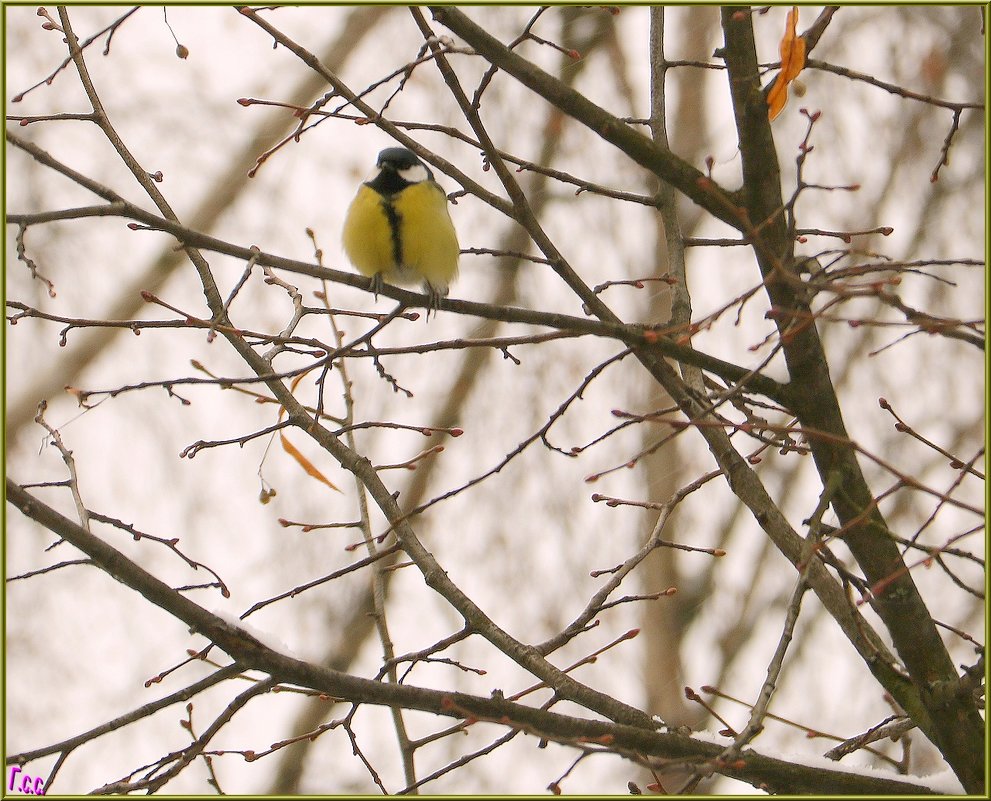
[398, 167]
[398, 157]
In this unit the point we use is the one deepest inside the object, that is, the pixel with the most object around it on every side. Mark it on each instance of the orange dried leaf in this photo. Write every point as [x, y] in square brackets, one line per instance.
[792, 47]
[305, 463]
[777, 98]
[792, 50]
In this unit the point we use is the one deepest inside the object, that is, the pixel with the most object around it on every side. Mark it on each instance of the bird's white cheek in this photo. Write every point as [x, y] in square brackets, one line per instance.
[414, 174]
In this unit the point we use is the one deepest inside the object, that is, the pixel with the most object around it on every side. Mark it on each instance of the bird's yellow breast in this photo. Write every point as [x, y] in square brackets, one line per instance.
[407, 237]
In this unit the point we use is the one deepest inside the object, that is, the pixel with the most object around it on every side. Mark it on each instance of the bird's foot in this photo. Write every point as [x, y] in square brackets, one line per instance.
[377, 283]
[434, 298]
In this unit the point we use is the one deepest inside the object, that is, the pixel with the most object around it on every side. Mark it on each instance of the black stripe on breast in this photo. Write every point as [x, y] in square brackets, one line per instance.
[394, 218]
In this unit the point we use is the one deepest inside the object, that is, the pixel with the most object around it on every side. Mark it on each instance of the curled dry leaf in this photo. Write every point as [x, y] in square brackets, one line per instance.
[792, 62]
[305, 463]
[308, 467]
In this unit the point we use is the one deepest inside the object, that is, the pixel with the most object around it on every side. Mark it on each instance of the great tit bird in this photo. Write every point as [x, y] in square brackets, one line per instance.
[398, 228]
